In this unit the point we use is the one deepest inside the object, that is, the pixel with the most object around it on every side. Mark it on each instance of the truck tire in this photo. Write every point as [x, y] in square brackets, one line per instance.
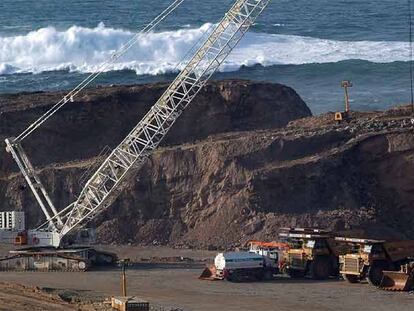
[374, 273]
[351, 278]
[264, 275]
[268, 275]
[334, 266]
[260, 276]
[296, 274]
[321, 268]
[234, 277]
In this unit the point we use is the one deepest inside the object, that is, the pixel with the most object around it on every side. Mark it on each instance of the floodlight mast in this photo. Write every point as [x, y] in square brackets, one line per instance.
[128, 157]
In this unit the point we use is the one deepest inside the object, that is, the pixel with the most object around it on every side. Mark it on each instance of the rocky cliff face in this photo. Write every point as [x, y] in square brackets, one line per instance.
[103, 117]
[233, 168]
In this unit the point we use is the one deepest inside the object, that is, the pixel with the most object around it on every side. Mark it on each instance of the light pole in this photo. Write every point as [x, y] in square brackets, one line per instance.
[124, 263]
[346, 84]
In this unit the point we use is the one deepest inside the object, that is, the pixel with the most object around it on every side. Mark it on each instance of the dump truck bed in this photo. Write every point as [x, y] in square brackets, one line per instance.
[399, 250]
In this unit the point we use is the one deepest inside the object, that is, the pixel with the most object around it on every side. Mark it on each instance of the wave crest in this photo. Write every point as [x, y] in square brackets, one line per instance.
[84, 49]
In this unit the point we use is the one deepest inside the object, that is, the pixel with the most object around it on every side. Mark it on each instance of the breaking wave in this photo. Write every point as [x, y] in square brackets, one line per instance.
[84, 49]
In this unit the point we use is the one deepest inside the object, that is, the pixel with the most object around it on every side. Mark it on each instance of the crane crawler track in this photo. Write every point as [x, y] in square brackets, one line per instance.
[56, 260]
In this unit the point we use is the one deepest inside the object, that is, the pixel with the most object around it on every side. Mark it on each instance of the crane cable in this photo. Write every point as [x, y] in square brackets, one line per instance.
[69, 97]
[410, 21]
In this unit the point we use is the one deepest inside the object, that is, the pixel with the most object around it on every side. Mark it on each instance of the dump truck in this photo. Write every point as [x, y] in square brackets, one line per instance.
[402, 280]
[240, 266]
[312, 252]
[369, 258]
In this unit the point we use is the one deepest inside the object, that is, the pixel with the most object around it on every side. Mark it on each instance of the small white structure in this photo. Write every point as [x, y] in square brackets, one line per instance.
[13, 221]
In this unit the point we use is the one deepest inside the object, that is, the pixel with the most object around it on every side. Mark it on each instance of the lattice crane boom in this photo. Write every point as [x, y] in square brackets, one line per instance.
[14, 144]
[123, 162]
[105, 185]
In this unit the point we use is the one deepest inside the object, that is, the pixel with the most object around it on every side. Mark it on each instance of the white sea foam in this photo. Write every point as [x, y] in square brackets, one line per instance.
[84, 49]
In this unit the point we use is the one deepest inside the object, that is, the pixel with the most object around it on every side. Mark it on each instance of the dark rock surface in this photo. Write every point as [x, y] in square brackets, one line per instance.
[104, 116]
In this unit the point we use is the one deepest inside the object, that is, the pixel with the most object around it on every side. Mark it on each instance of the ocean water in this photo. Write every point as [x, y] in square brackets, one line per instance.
[308, 45]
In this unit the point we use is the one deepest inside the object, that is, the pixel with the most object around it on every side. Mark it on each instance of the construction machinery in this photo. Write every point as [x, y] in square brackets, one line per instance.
[123, 162]
[345, 115]
[272, 250]
[246, 265]
[312, 252]
[239, 266]
[368, 259]
[402, 280]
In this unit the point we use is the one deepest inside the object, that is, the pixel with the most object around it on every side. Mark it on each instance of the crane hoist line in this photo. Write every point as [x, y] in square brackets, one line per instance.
[116, 171]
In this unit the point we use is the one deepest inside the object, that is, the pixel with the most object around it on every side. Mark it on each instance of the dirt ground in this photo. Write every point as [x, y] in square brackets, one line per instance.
[174, 285]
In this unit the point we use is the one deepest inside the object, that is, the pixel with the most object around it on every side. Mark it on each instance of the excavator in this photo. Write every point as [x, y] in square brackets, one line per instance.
[48, 248]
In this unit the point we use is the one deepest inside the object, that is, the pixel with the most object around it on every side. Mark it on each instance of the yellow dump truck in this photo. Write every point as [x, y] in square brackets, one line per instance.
[312, 252]
[369, 258]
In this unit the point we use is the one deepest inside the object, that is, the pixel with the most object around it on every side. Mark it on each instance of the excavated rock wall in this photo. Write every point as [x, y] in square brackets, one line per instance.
[104, 116]
[229, 171]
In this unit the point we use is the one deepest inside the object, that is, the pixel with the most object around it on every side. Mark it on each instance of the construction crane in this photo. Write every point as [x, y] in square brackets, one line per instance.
[105, 185]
